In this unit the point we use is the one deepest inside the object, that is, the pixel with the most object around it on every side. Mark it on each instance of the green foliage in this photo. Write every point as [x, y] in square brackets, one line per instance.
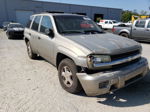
[126, 16]
[98, 19]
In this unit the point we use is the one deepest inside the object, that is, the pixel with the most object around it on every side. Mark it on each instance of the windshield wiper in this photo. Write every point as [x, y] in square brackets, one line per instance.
[93, 31]
[72, 31]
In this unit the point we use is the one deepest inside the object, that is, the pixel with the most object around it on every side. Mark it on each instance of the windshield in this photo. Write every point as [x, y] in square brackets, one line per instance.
[5, 23]
[75, 24]
[15, 26]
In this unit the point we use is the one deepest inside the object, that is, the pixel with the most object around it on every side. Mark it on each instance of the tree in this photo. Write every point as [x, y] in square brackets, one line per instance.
[126, 16]
[143, 13]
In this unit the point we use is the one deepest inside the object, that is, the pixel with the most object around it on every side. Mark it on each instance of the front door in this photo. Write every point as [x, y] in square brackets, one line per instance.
[147, 31]
[45, 42]
[138, 30]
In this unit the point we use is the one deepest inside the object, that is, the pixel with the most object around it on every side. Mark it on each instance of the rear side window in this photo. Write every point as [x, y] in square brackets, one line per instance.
[36, 22]
[29, 22]
[45, 24]
[140, 24]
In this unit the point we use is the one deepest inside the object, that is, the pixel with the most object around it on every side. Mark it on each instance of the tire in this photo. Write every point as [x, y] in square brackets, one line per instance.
[67, 76]
[124, 35]
[30, 52]
[9, 36]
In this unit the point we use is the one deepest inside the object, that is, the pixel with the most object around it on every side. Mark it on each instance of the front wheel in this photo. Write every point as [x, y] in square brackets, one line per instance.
[67, 76]
[9, 36]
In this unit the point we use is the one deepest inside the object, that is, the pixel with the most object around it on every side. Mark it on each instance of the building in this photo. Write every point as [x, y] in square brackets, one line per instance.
[20, 10]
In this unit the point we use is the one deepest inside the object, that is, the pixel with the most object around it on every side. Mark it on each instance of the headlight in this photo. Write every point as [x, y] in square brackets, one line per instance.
[96, 59]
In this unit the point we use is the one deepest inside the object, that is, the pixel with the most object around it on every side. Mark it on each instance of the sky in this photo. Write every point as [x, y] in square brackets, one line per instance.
[123, 4]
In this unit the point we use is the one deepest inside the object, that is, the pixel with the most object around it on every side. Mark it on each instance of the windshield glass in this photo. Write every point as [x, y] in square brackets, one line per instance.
[75, 24]
[5, 23]
[15, 26]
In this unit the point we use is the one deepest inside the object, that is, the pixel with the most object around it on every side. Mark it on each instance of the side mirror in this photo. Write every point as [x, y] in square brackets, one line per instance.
[49, 32]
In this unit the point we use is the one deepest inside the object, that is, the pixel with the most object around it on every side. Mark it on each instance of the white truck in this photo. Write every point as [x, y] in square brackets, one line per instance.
[108, 24]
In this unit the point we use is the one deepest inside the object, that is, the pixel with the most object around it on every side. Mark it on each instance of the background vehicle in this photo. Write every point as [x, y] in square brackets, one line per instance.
[108, 24]
[15, 30]
[140, 30]
[85, 56]
[129, 23]
[5, 24]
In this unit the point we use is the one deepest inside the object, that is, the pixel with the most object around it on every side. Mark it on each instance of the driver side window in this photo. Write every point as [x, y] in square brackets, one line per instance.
[148, 26]
[45, 24]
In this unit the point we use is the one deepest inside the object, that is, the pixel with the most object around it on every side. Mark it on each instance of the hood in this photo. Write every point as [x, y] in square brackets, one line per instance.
[105, 43]
[18, 29]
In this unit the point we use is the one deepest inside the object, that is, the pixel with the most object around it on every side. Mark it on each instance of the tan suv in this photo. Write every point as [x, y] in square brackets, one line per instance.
[86, 57]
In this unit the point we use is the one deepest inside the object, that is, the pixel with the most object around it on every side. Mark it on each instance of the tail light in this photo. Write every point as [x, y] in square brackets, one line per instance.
[101, 21]
[113, 29]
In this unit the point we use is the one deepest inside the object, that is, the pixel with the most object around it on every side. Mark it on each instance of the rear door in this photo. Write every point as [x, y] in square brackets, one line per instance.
[138, 28]
[34, 33]
[45, 42]
[110, 25]
[106, 23]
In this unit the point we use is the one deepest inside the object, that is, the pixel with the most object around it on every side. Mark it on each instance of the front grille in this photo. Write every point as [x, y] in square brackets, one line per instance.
[125, 64]
[124, 55]
[19, 32]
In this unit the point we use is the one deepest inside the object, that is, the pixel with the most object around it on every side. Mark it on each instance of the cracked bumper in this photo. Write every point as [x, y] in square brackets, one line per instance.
[105, 82]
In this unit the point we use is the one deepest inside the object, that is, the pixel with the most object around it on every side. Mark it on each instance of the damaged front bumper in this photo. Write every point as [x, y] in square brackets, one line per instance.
[105, 82]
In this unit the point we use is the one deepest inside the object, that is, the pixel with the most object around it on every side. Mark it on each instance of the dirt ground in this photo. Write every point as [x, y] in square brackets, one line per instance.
[32, 86]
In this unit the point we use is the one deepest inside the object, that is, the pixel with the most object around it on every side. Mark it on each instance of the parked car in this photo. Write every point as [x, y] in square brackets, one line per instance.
[85, 56]
[140, 30]
[129, 23]
[5, 24]
[108, 24]
[15, 30]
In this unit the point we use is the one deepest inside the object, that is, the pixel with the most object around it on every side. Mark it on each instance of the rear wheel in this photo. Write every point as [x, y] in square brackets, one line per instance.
[67, 76]
[124, 35]
[30, 52]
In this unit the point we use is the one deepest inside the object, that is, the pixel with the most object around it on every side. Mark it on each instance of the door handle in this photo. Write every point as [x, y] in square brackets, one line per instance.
[134, 29]
[39, 38]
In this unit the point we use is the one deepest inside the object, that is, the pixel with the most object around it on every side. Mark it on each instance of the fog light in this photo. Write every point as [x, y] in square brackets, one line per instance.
[103, 84]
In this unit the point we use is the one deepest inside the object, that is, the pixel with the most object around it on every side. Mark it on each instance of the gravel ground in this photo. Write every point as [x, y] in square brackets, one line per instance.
[32, 86]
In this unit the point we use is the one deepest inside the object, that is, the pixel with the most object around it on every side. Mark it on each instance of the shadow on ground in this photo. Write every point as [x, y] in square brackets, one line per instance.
[134, 95]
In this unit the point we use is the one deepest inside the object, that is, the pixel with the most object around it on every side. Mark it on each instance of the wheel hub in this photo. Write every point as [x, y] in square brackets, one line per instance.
[67, 76]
